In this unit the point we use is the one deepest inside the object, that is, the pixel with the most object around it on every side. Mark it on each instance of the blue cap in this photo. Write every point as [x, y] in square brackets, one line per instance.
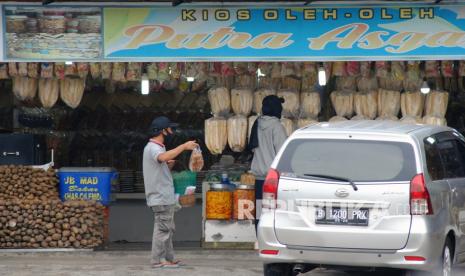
[159, 124]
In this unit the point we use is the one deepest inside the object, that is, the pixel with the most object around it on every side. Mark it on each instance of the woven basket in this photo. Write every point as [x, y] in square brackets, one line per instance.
[187, 200]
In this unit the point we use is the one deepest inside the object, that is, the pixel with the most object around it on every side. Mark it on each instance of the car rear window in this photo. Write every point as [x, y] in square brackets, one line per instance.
[358, 160]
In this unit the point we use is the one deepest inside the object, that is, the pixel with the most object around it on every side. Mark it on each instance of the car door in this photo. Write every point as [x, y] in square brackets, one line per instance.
[452, 152]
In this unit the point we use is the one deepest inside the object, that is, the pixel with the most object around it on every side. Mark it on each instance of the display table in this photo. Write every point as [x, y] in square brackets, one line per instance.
[224, 234]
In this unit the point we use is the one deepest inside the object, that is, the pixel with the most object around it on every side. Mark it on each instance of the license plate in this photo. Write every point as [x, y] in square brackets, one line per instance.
[342, 216]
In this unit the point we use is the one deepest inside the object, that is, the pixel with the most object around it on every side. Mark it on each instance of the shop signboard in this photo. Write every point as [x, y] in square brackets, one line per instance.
[305, 33]
[58, 33]
[233, 33]
[86, 184]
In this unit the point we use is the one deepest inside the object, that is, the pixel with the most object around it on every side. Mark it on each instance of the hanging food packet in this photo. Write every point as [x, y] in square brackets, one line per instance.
[4, 71]
[133, 72]
[60, 71]
[107, 68]
[196, 161]
[33, 70]
[83, 69]
[22, 69]
[70, 69]
[46, 70]
[12, 69]
[95, 70]
[119, 71]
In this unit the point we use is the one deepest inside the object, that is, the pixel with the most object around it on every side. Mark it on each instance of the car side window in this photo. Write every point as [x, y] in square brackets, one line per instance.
[452, 159]
[433, 160]
[461, 151]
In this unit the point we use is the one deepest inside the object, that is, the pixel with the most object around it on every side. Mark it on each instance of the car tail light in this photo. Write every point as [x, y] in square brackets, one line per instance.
[269, 252]
[270, 189]
[415, 258]
[420, 201]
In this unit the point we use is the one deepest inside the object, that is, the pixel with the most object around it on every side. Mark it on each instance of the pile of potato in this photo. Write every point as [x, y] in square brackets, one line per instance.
[32, 216]
[22, 182]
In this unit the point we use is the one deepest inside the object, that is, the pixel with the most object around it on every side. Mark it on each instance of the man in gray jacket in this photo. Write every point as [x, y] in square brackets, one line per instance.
[159, 189]
[266, 138]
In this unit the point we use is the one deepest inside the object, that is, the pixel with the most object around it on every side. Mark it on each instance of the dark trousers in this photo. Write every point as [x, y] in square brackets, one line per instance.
[258, 200]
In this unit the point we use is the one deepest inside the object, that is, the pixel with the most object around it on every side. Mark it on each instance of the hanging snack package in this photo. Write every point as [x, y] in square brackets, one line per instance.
[431, 69]
[33, 70]
[462, 68]
[343, 103]
[353, 68]
[447, 68]
[382, 68]
[95, 70]
[365, 69]
[70, 69]
[196, 161]
[4, 71]
[83, 69]
[119, 71]
[12, 69]
[46, 70]
[216, 134]
[366, 104]
[152, 71]
[220, 100]
[22, 69]
[107, 69]
[59, 70]
[237, 133]
[339, 69]
[133, 72]
[291, 103]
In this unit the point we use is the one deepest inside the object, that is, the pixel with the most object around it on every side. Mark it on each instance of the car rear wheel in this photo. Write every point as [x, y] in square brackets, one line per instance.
[278, 270]
[444, 265]
[447, 259]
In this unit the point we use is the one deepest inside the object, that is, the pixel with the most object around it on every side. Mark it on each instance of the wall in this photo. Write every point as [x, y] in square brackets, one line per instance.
[132, 221]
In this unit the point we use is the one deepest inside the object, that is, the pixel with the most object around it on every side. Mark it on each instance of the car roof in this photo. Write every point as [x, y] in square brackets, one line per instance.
[373, 126]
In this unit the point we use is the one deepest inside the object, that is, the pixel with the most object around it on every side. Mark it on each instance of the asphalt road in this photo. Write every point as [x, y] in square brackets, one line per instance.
[198, 263]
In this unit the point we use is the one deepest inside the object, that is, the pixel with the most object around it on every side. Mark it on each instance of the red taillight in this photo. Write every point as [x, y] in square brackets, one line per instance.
[270, 189]
[420, 201]
[414, 258]
[269, 252]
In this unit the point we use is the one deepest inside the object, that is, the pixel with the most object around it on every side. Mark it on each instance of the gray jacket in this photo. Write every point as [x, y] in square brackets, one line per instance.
[271, 136]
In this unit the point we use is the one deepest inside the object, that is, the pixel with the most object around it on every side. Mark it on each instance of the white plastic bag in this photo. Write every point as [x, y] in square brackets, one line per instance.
[196, 161]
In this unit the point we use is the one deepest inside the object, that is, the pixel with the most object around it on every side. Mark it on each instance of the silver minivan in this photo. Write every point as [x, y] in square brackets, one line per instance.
[367, 195]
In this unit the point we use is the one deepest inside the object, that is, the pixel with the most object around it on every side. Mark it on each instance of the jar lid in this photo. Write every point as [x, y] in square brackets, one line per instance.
[245, 187]
[219, 186]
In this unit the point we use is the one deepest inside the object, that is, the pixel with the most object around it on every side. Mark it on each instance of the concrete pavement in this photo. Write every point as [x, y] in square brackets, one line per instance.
[121, 263]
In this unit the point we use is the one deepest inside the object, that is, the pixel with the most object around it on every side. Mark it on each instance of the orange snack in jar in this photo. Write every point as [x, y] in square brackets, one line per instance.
[244, 202]
[219, 203]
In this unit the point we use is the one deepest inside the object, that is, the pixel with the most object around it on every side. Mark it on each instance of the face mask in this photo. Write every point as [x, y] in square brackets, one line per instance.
[168, 137]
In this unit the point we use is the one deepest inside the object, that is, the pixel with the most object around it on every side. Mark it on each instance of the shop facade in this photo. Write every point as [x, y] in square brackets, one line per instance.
[88, 79]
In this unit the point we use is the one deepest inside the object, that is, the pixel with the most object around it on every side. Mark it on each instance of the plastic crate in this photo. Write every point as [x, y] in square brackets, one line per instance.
[182, 180]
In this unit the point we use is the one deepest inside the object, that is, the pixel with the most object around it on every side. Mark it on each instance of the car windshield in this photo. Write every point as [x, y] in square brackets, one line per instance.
[358, 160]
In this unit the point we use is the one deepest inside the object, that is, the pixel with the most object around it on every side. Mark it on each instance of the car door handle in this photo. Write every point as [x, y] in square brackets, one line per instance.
[291, 190]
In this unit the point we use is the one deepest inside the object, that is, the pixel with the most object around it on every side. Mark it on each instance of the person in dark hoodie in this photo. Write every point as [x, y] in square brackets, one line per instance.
[266, 138]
